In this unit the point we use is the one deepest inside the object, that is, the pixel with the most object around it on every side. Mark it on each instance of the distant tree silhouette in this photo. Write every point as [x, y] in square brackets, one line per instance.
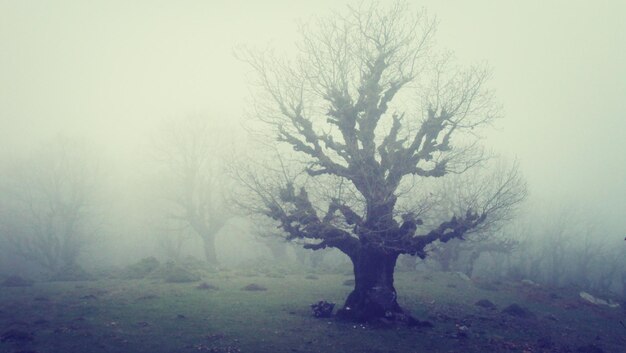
[190, 153]
[49, 196]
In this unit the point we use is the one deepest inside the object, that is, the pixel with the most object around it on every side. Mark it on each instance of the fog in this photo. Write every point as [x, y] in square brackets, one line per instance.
[110, 73]
[216, 175]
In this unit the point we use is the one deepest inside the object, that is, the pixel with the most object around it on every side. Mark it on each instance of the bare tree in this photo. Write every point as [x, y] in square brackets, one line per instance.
[488, 190]
[172, 235]
[190, 152]
[49, 198]
[366, 107]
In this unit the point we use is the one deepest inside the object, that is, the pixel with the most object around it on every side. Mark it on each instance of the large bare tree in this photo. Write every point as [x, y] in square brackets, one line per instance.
[368, 108]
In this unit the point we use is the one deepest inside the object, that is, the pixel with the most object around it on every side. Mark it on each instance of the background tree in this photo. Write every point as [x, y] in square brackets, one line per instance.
[366, 108]
[49, 204]
[172, 235]
[460, 192]
[265, 234]
[190, 154]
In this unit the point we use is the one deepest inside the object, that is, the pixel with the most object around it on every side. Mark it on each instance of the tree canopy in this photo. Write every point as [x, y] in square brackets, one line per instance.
[369, 103]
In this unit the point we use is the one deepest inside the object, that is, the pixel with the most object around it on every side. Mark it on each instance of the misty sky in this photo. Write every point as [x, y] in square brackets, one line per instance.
[111, 70]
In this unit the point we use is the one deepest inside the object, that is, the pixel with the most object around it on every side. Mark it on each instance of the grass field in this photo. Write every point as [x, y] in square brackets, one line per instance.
[149, 315]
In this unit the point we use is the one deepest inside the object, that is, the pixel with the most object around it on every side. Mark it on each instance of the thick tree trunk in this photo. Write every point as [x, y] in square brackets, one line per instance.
[374, 296]
[278, 249]
[448, 255]
[209, 250]
[316, 258]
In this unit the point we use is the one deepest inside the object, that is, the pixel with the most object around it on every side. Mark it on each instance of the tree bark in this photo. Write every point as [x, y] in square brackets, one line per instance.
[374, 296]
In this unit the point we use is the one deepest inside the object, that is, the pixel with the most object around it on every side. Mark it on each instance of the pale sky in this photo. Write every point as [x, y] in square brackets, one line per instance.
[111, 70]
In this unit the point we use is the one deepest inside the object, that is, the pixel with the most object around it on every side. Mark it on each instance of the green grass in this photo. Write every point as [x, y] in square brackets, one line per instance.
[152, 316]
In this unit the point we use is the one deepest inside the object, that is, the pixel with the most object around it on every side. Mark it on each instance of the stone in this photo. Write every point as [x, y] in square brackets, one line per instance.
[206, 286]
[518, 311]
[254, 287]
[485, 303]
[597, 301]
[348, 282]
[322, 309]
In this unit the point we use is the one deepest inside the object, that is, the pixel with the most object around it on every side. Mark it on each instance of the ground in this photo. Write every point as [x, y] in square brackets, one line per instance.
[149, 315]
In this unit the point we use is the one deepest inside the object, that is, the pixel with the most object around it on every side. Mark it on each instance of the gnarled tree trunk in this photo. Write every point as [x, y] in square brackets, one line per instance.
[374, 295]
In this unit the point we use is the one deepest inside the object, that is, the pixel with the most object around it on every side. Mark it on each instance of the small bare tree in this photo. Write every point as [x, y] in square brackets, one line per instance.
[49, 200]
[491, 190]
[366, 108]
[190, 153]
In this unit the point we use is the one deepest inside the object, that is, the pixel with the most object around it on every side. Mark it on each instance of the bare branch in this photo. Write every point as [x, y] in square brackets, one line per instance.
[345, 106]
